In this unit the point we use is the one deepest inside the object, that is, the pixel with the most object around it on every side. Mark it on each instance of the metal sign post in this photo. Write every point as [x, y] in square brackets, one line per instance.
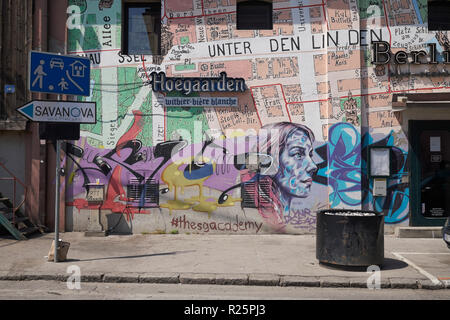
[60, 75]
[57, 171]
[58, 154]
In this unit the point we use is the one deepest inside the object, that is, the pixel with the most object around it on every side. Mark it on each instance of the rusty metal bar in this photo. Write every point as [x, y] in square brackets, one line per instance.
[15, 179]
[12, 175]
[14, 201]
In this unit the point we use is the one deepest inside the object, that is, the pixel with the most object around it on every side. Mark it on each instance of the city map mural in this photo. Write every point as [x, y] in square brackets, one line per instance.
[297, 139]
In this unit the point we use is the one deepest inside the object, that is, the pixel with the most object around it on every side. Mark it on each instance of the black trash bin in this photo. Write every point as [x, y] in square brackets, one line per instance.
[350, 238]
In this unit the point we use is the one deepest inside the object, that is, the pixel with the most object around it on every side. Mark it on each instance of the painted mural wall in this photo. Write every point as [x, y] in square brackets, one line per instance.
[295, 143]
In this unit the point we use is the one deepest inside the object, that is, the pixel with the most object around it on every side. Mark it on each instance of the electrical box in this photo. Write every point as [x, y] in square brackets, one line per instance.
[96, 193]
[380, 162]
[379, 187]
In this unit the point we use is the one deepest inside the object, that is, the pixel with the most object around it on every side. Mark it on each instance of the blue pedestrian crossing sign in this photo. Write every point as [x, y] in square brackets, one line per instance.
[59, 74]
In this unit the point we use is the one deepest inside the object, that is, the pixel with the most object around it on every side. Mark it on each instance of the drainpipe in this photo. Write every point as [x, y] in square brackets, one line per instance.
[35, 151]
[40, 25]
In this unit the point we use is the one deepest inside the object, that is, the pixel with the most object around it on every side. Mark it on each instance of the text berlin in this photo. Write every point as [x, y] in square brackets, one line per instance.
[382, 55]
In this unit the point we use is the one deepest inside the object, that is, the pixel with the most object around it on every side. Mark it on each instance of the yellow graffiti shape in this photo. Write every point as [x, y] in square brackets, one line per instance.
[174, 178]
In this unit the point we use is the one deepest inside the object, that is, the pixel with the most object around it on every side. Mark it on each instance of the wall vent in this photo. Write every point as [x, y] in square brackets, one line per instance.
[138, 198]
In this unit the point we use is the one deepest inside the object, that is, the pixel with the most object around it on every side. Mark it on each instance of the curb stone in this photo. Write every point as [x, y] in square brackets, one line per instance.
[446, 283]
[198, 278]
[3, 275]
[402, 283]
[430, 285]
[92, 277]
[358, 283]
[334, 282]
[13, 276]
[229, 279]
[232, 279]
[264, 279]
[385, 284]
[43, 276]
[362, 283]
[298, 281]
[159, 278]
[121, 277]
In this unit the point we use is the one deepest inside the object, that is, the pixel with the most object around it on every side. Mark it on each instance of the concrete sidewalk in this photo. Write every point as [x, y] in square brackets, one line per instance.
[271, 260]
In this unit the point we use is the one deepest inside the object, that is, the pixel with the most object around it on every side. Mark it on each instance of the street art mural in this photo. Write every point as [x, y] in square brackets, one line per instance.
[281, 174]
[348, 177]
[296, 140]
[395, 205]
[290, 174]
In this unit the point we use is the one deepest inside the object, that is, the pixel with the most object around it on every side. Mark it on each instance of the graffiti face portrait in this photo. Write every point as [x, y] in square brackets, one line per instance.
[295, 175]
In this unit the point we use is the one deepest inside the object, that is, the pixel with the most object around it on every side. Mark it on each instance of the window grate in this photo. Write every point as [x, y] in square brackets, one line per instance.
[248, 193]
[151, 195]
[256, 194]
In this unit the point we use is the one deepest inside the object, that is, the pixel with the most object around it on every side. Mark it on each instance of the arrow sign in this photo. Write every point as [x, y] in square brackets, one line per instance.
[59, 111]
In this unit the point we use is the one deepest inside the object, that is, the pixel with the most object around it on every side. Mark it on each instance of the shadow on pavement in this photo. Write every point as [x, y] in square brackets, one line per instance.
[388, 264]
[10, 237]
[393, 264]
[132, 257]
[9, 244]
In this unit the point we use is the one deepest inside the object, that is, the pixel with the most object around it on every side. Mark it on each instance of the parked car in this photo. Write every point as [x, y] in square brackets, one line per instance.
[446, 232]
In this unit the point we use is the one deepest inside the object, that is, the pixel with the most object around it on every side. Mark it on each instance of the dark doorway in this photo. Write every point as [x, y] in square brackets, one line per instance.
[430, 172]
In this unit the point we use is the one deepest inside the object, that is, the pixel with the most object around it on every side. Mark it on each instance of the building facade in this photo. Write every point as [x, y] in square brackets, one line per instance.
[19, 152]
[27, 163]
[340, 104]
